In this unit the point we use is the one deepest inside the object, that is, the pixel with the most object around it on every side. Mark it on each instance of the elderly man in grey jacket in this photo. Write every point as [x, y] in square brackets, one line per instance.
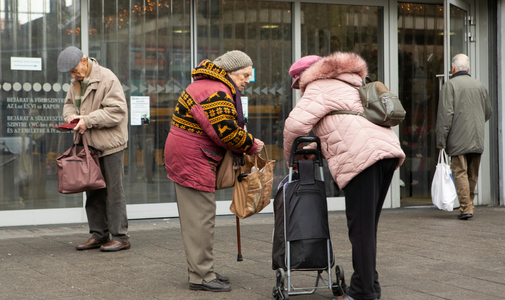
[463, 109]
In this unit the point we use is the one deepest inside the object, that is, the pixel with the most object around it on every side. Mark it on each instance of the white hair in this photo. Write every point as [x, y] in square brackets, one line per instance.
[461, 62]
[238, 71]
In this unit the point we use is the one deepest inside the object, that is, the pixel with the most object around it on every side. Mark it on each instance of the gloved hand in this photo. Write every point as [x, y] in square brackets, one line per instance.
[260, 146]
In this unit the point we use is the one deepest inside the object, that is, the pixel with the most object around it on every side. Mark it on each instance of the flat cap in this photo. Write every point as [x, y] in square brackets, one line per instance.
[69, 59]
[233, 61]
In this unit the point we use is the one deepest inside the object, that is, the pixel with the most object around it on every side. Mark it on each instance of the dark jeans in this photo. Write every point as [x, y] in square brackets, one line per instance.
[106, 208]
[364, 197]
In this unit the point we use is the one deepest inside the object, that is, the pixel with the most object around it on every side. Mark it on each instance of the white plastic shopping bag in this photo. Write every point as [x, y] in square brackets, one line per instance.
[443, 190]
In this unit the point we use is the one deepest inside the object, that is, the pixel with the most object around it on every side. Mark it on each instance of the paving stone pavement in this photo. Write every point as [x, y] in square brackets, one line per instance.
[423, 253]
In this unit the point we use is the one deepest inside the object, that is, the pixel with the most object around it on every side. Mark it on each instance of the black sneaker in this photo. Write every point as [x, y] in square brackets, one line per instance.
[212, 286]
[465, 216]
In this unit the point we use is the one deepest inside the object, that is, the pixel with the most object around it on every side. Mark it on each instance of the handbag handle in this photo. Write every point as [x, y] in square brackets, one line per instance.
[266, 155]
[84, 142]
[241, 176]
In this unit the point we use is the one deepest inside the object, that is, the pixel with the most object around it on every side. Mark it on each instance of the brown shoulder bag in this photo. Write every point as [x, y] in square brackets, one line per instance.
[79, 171]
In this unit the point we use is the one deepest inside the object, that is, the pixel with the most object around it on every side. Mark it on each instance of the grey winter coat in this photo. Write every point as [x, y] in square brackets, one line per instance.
[463, 109]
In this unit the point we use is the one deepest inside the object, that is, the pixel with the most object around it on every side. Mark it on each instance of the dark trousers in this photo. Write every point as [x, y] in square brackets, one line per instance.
[364, 197]
[106, 208]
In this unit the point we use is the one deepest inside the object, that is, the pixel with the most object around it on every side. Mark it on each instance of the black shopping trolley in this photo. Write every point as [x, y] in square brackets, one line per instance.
[301, 238]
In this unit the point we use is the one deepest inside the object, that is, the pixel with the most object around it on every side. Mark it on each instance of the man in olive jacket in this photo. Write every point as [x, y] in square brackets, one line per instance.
[96, 99]
[463, 109]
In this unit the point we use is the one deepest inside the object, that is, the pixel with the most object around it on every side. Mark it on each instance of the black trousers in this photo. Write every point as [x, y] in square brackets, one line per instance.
[364, 197]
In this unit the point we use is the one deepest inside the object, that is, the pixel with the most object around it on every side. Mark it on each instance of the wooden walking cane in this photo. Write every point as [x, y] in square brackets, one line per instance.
[239, 256]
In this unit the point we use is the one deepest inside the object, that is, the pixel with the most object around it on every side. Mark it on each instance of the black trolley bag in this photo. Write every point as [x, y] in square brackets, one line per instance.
[301, 238]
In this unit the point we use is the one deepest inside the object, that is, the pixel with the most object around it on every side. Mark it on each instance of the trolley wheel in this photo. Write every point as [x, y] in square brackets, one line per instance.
[275, 293]
[279, 293]
[339, 272]
[337, 290]
[280, 276]
[339, 287]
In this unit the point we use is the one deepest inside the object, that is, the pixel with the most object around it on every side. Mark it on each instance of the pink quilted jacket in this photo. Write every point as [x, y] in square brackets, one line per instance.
[350, 143]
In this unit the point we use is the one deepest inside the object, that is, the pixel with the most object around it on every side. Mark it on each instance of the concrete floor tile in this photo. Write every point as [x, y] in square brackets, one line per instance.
[422, 254]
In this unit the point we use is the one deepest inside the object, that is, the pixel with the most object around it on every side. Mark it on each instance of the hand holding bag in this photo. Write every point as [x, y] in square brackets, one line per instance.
[79, 171]
[253, 187]
[443, 190]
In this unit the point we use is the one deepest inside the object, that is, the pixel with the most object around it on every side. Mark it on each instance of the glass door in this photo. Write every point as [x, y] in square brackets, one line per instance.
[420, 61]
[456, 33]
[327, 28]
[429, 35]
[263, 30]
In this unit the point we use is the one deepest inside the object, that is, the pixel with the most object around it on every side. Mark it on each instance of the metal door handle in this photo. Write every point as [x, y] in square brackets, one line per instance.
[440, 81]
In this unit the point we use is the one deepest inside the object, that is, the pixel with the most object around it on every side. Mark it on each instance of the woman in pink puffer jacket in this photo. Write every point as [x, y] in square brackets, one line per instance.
[362, 156]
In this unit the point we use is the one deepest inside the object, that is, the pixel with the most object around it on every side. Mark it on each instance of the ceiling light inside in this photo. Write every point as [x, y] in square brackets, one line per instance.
[270, 26]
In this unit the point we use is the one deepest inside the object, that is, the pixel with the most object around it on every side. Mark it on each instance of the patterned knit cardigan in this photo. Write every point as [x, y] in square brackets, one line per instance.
[204, 125]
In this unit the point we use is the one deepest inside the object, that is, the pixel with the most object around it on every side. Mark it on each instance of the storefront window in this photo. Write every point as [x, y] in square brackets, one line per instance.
[263, 30]
[147, 45]
[420, 61]
[32, 92]
[327, 28]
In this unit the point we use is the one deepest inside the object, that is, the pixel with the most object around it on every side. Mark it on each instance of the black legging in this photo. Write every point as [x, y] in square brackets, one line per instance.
[364, 197]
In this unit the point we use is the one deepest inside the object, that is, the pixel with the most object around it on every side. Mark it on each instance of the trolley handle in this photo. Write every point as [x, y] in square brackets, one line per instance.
[306, 139]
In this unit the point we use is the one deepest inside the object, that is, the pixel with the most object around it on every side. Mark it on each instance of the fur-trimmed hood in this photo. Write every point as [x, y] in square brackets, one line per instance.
[333, 65]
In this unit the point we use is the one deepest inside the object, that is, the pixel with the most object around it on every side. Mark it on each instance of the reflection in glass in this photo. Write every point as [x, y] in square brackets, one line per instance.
[420, 59]
[327, 28]
[32, 101]
[459, 31]
[147, 45]
[263, 31]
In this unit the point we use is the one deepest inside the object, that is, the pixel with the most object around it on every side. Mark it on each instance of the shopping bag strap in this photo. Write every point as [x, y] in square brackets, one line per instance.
[443, 157]
[264, 149]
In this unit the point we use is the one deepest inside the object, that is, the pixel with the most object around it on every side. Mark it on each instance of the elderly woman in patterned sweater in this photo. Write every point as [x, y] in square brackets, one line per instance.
[208, 120]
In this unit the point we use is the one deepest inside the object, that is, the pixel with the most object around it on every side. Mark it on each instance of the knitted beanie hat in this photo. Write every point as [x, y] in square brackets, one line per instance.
[233, 61]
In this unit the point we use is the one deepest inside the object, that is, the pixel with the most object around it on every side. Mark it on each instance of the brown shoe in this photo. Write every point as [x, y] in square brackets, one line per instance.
[91, 244]
[114, 245]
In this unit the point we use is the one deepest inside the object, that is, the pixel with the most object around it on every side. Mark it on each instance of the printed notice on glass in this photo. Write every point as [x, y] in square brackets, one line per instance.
[245, 106]
[26, 63]
[139, 108]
